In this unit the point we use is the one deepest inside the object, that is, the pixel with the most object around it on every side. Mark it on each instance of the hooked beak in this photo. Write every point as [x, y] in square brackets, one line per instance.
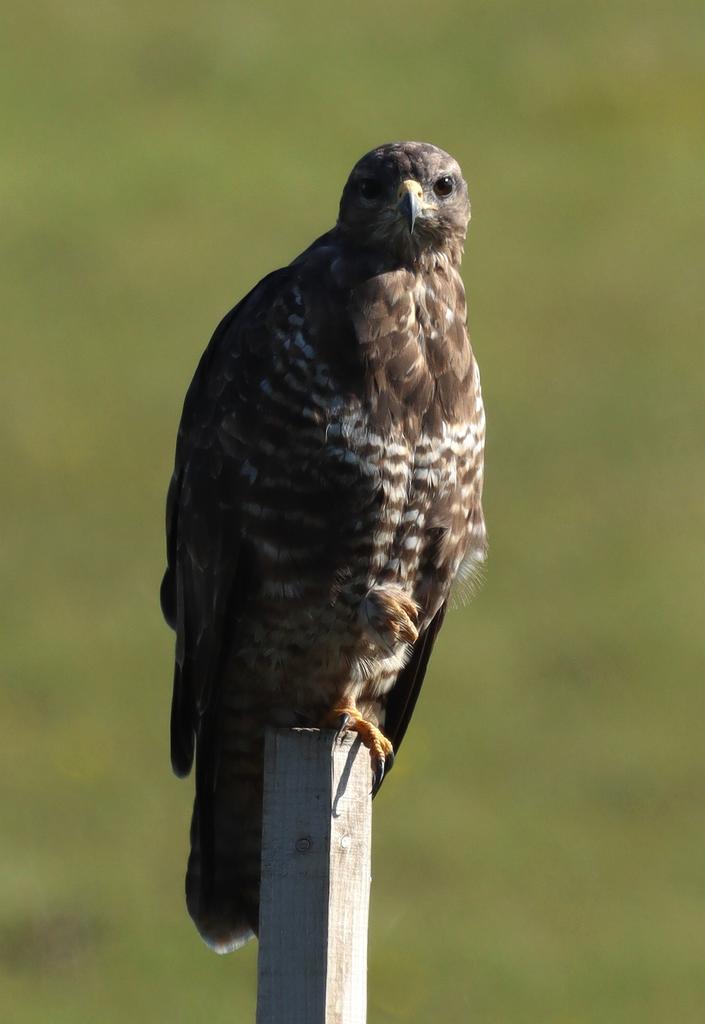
[410, 201]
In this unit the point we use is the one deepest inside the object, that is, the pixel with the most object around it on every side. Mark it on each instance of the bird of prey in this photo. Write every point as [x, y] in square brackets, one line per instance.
[326, 493]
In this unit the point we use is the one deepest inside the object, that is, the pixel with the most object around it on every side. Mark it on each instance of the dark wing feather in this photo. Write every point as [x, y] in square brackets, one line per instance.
[208, 576]
[203, 536]
[405, 692]
[192, 588]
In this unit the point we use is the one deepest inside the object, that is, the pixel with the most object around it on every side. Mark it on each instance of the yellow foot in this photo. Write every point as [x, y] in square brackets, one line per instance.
[390, 615]
[346, 718]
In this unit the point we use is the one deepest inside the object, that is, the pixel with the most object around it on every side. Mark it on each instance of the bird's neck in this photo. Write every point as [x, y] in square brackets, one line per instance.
[442, 259]
[404, 251]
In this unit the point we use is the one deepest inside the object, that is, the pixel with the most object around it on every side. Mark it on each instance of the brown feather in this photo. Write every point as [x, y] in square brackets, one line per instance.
[327, 487]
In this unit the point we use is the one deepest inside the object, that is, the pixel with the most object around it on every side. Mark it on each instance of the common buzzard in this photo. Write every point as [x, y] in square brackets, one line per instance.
[326, 494]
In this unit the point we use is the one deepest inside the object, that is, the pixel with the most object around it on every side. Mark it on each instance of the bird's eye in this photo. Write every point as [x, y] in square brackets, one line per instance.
[370, 188]
[444, 186]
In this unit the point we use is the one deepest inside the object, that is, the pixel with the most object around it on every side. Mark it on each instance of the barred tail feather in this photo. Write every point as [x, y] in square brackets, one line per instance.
[216, 895]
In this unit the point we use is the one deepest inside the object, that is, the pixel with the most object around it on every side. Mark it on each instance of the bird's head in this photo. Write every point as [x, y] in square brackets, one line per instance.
[407, 198]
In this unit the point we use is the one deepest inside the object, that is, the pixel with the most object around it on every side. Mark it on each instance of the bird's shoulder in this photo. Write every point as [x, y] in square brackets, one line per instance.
[291, 300]
[393, 336]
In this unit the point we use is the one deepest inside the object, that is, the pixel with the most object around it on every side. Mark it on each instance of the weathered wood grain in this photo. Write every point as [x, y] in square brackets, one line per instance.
[314, 898]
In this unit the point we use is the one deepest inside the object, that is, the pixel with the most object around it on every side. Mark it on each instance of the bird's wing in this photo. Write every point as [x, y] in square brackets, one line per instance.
[404, 694]
[208, 574]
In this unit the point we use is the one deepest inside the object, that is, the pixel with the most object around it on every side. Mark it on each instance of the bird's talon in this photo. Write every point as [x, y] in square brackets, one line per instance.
[346, 718]
[378, 776]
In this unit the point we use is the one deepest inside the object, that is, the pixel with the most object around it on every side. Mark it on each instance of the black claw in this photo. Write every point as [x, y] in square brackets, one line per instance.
[378, 776]
[342, 724]
[384, 767]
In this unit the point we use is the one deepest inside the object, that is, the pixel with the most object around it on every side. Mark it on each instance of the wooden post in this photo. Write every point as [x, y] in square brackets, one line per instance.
[315, 890]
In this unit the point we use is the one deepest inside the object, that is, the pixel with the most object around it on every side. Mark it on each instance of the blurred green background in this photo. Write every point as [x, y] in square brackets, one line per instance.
[540, 849]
